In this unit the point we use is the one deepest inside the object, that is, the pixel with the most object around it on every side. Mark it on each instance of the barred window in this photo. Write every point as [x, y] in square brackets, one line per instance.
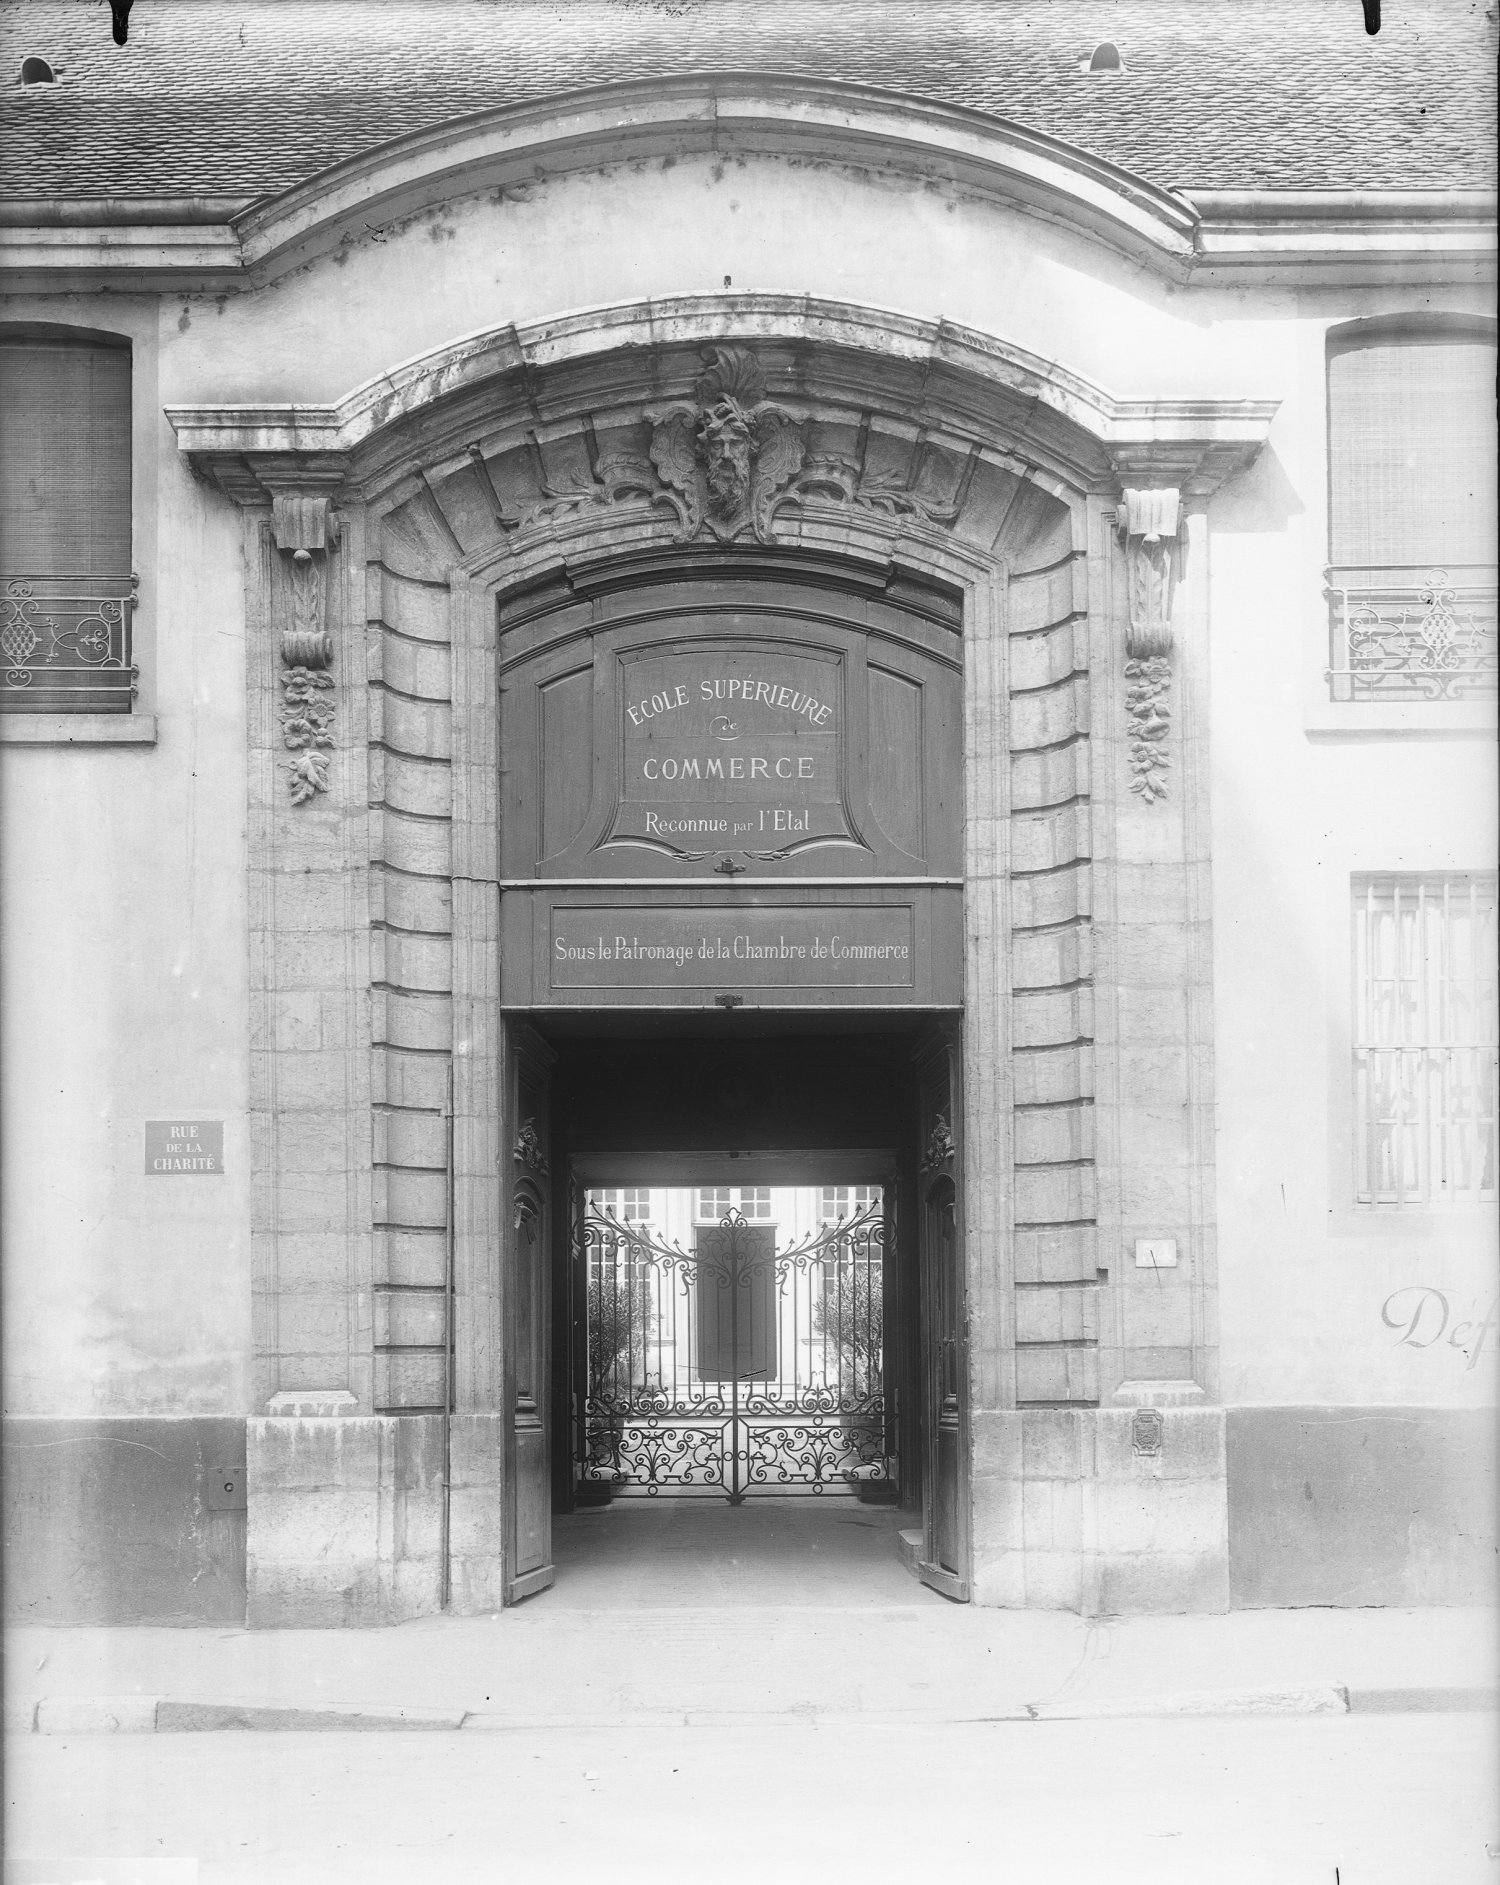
[1425, 1034]
[1411, 508]
[715, 1202]
[65, 548]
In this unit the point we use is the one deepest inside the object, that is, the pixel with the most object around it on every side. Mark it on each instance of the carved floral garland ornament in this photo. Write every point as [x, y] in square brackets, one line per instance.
[304, 531]
[1148, 522]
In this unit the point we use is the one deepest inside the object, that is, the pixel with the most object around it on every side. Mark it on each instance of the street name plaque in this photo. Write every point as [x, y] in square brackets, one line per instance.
[850, 946]
[192, 1148]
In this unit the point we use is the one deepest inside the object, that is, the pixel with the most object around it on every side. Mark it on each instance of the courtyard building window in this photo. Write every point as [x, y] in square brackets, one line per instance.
[66, 588]
[836, 1202]
[716, 1202]
[1411, 576]
[631, 1205]
[1425, 1034]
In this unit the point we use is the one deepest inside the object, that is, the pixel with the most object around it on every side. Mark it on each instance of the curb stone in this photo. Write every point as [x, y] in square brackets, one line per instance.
[154, 1714]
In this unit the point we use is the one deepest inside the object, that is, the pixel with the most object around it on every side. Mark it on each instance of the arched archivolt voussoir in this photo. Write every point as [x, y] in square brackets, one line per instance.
[723, 115]
[862, 414]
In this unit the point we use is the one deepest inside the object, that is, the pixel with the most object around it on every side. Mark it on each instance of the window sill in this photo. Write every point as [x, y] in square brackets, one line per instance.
[77, 729]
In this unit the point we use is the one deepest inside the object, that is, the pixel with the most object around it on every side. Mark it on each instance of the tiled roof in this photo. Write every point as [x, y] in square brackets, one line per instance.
[246, 97]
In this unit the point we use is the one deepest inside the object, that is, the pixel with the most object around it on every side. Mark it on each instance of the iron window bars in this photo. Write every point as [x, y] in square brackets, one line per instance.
[1426, 1063]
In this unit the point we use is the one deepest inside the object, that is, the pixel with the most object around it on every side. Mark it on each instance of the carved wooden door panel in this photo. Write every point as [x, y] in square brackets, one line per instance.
[944, 1342]
[527, 1295]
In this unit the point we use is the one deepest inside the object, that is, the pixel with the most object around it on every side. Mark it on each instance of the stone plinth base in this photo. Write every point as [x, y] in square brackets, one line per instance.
[1110, 1510]
[345, 1519]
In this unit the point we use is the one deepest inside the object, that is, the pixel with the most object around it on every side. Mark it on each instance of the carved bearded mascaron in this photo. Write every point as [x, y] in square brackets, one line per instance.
[731, 454]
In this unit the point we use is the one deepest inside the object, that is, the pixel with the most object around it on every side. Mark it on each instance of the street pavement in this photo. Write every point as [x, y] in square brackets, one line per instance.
[1326, 1800]
[709, 1699]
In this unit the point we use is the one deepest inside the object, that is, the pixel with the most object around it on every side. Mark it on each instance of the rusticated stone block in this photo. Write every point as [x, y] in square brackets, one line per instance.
[411, 1139]
[1054, 1134]
[1051, 776]
[1044, 719]
[1037, 597]
[423, 787]
[421, 610]
[1053, 958]
[421, 845]
[416, 669]
[1055, 898]
[410, 1318]
[414, 903]
[414, 1198]
[1040, 1018]
[412, 1020]
[1043, 840]
[1046, 1313]
[1054, 1194]
[400, 1077]
[422, 964]
[410, 726]
[411, 1257]
[1048, 1074]
[1043, 658]
[1066, 1253]
[414, 1378]
[1057, 1374]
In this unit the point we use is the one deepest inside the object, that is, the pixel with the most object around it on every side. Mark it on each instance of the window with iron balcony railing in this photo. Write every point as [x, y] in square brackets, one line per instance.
[67, 593]
[1411, 579]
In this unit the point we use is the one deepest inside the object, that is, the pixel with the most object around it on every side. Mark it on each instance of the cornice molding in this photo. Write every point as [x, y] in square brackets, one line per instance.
[976, 389]
[218, 244]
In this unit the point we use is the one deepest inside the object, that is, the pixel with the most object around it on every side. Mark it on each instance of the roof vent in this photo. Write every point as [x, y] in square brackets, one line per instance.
[1104, 58]
[36, 72]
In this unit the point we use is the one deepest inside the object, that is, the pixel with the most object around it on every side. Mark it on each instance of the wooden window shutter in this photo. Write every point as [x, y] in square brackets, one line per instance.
[65, 458]
[1411, 422]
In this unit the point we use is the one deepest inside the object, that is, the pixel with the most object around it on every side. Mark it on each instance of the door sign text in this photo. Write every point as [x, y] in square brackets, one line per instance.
[731, 750]
[863, 946]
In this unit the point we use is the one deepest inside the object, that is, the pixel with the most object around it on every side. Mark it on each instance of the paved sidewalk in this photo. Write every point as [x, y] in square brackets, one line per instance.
[605, 1667]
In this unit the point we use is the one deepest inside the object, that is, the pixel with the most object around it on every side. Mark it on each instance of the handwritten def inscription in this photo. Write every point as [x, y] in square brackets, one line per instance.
[729, 750]
[1423, 1317]
[184, 1147]
[848, 947]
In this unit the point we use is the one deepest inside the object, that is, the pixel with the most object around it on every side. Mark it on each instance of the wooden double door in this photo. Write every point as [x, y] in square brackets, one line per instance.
[866, 1119]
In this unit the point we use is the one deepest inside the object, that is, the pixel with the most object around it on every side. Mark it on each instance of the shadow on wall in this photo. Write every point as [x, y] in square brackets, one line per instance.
[1261, 500]
[1361, 1506]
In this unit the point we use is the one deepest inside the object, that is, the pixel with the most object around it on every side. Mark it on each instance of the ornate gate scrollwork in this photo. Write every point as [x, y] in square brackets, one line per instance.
[735, 1367]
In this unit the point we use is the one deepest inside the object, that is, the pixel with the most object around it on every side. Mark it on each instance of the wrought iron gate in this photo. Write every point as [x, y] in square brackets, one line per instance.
[735, 1367]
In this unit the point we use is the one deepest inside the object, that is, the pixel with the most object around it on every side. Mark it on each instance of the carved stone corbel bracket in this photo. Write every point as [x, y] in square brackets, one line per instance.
[1148, 520]
[304, 531]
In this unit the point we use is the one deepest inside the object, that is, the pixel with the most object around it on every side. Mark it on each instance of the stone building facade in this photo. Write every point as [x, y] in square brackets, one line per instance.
[1135, 410]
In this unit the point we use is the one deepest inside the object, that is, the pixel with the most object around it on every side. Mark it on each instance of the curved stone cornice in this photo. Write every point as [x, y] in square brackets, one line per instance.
[720, 113]
[973, 388]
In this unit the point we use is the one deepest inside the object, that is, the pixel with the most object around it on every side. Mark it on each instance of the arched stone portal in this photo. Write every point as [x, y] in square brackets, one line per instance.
[879, 456]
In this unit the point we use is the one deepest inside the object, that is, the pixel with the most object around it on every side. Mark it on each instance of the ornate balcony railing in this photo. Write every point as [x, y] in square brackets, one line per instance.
[65, 644]
[1412, 632]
